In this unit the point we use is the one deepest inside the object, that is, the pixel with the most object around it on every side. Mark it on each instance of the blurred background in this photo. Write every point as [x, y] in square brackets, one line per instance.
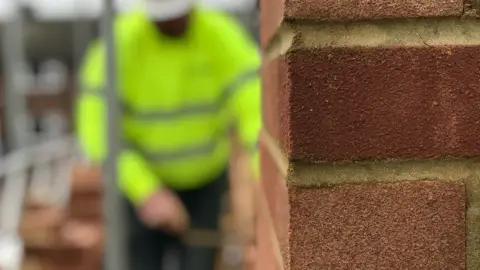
[41, 49]
[55, 34]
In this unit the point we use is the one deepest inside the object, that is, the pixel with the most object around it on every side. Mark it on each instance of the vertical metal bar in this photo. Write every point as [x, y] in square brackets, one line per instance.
[12, 198]
[17, 135]
[15, 117]
[14, 74]
[82, 34]
[116, 246]
[13, 193]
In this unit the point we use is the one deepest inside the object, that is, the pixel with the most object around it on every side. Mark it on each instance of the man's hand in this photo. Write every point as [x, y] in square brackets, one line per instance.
[164, 210]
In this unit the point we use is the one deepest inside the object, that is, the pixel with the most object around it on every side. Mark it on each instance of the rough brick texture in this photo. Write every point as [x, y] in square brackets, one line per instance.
[371, 9]
[376, 103]
[407, 225]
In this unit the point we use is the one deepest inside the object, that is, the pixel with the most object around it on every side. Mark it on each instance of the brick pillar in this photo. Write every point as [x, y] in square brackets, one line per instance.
[379, 107]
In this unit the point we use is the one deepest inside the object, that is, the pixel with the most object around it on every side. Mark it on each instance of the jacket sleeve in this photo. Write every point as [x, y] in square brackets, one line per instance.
[247, 110]
[136, 179]
[240, 64]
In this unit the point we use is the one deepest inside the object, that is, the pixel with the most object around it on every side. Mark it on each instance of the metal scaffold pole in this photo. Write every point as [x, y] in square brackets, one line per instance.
[116, 245]
[16, 124]
[15, 79]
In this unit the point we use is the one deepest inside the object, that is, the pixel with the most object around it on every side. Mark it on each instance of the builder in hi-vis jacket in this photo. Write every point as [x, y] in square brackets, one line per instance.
[187, 77]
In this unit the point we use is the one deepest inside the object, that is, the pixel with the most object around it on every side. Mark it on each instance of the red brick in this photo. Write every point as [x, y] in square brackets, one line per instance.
[409, 225]
[283, 104]
[271, 85]
[377, 103]
[39, 226]
[269, 74]
[371, 9]
[86, 178]
[265, 257]
[271, 16]
[274, 97]
[272, 180]
[275, 189]
[65, 258]
[86, 206]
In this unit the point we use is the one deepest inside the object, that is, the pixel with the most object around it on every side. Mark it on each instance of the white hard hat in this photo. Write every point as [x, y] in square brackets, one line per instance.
[162, 10]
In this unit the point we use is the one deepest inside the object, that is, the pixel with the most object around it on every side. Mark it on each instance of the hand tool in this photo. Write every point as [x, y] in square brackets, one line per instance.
[204, 238]
[232, 252]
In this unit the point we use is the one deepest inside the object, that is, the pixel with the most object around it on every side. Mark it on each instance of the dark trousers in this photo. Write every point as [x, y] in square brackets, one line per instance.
[155, 250]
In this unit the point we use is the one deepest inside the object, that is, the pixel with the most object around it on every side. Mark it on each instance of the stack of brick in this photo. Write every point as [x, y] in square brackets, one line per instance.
[378, 113]
[71, 239]
[66, 239]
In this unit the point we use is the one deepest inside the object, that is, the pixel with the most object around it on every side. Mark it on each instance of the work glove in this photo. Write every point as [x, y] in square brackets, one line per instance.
[164, 210]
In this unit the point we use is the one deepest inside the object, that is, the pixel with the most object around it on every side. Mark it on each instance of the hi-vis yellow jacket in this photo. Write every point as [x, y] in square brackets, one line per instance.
[180, 100]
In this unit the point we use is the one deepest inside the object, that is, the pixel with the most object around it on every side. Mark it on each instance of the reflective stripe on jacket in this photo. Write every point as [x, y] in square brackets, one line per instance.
[180, 98]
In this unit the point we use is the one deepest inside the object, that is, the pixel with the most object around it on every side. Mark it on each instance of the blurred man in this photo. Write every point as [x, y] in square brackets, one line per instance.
[187, 78]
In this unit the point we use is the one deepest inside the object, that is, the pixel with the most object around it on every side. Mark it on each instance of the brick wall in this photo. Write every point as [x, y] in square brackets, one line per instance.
[376, 104]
